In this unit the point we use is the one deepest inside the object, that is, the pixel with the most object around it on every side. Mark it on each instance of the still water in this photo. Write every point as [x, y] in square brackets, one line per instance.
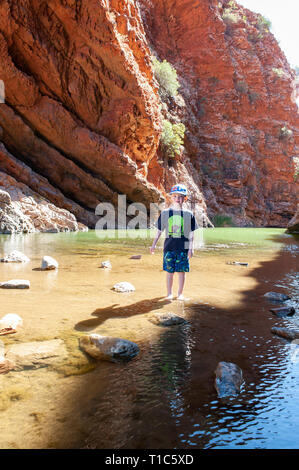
[164, 397]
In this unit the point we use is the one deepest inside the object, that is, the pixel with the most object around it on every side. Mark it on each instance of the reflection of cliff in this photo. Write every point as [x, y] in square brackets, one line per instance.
[82, 107]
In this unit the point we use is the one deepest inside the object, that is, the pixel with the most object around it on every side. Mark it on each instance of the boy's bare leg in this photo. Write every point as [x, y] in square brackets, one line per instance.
[181, 285]
[169, 284]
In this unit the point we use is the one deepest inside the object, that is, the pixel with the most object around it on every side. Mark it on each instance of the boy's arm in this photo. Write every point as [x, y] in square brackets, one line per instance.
[191, 250]
[153, 247]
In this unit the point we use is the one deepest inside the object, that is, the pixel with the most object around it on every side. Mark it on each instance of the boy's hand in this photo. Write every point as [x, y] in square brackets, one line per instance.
[190, 253]
[152, 249]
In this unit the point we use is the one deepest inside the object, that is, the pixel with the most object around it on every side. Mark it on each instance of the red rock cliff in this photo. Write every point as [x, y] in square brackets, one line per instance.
[81, 120]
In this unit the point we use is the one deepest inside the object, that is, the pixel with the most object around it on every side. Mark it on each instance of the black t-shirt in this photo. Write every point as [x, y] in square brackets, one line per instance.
[177, 225]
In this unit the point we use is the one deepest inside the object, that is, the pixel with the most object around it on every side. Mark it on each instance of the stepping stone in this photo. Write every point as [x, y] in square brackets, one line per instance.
[286, 333]
[15, 257]
[276, 296]
[239, 263]
[49, 263]
[283, 311]
[135, 257]
[229, 379]
[108, 348]
[15, 284]
[166, 319]
[124, 287]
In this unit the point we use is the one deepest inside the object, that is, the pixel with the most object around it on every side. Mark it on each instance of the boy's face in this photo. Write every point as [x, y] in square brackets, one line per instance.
[178, 199]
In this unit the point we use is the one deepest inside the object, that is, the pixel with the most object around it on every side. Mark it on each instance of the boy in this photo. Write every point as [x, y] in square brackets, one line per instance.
[178, 246]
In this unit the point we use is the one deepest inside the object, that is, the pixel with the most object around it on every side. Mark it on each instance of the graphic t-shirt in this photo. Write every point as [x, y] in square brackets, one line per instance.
[177, 225]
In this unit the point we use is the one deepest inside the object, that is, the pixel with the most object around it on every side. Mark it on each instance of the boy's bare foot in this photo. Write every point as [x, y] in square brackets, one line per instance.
[169, 297]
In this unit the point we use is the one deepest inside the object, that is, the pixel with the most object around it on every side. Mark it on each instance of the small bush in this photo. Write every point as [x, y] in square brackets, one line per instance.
[229, 17]
[285, 133]
[172, 138]
[167, 78]
[222, 220]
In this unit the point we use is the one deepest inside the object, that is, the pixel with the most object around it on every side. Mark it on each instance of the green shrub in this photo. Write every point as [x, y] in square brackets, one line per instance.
[285, 133]
[167, 78]
[172, 138]
[222, 220]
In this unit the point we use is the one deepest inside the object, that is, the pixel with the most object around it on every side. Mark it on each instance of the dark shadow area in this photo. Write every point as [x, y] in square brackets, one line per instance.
[114, 311]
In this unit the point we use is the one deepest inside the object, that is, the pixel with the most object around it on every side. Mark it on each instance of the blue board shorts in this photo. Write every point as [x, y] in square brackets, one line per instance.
[176, 261]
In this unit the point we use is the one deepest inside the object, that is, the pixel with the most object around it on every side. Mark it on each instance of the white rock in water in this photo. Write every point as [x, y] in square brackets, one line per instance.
[11, 320]
[15, 257]
[49, 263]
[15, 284]
[106, 264]
[123, 287]
[108, 348]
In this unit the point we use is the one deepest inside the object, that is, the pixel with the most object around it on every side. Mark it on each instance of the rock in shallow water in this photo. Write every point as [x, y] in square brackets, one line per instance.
[166, 319]
[36, 354]
[276, 296]
[10, 323]
[123, 287]
[15, 257]
[283, 311]
[15, 284]
[108, 348]
[286, 333]
[229, 379]
[106, 264]
[49, 263]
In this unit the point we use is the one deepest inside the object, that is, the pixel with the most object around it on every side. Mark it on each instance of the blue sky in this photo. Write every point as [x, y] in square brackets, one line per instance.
[284, 16]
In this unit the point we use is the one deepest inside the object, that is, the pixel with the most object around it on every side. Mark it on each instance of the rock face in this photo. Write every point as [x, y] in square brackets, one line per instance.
[82, 116]
[107, 348]
[228, 379]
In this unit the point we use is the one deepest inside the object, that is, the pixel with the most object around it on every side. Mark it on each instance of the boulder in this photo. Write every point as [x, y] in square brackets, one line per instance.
[4, 197]
[228, 379]
[239, 263]
[106, 264]
[10, 323]
[15, 284]
[276, 296]
[15, 257]
[108, 348]
[166, 319]
[6, 365]
[49, 263]
[283, 311]
[135, 257]
[123, 287]
[36, 354]
[286, 333]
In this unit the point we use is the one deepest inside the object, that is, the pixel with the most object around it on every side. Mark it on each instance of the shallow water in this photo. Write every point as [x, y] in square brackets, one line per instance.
[164, 397]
